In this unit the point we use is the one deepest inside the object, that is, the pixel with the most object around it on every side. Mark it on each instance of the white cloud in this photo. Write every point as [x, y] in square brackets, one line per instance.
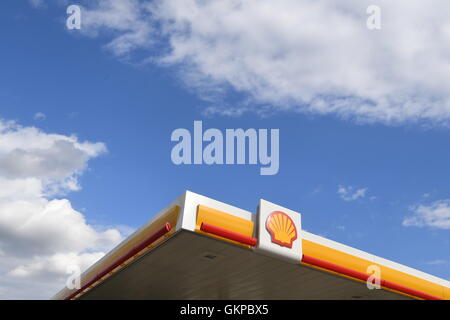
[40, 236]
[55, 159]
[436, 215]
[439, 262]
[55, 265]
[351, 194]
[39, 116]
[128, 19]
[294, 55]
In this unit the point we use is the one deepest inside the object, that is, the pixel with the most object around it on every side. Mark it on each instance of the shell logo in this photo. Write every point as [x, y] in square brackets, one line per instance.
[281, 228]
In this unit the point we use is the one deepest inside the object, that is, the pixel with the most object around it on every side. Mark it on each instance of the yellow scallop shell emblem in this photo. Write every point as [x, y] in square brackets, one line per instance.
[281, 228]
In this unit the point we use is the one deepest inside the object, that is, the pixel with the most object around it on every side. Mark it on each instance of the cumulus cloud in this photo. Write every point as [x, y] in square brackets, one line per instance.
[128, 20]
[54, 265]
[294, 55]
[350, 194]
[436, 215]
[56, 160]
[40, 233]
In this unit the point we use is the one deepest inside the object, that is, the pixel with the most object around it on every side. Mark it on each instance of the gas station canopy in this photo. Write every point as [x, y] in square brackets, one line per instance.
[200, 248]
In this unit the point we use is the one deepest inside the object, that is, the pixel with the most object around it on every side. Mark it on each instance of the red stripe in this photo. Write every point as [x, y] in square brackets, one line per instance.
[209, 228]
[362, 276]
[155, 236]
[413, 292]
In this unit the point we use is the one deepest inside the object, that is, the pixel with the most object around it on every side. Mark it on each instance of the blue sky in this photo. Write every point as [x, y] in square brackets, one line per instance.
[84, 88]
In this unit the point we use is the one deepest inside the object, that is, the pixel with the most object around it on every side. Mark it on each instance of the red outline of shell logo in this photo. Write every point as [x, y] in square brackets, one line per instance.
[281, 228]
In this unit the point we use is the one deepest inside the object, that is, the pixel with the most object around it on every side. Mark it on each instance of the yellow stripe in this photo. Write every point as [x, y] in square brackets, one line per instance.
[355, 279]
[223, 220]
[358, 264]
[446, 293]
